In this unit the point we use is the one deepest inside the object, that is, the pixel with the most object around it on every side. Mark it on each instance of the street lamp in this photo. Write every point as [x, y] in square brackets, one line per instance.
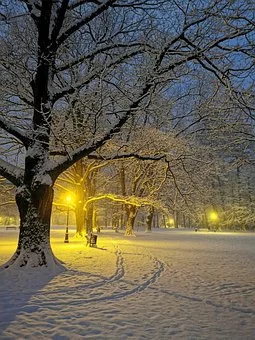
[214, 217]
[68, 199]
[170, 222]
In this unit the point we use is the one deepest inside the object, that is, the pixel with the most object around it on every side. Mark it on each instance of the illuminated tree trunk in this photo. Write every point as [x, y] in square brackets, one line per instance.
[131, 215]
[123, 192]
[149, 219]
[205, 221]
[80, 199]
[89, 219]
[34, 248]
[156, 219]
[164, 221]
[80, 217]
[176, 219]
[115, 221]
[94, 219]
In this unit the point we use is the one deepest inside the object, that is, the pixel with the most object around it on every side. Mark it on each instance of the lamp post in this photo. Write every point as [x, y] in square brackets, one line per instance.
[68, 199]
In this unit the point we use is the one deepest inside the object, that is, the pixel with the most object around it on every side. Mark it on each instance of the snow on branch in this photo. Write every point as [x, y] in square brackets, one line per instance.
[150, 4]
[79, 3]
[97, 51]
[127, 155]
[16, 132]
[33, 9]
[94, 145]
[101, 8]
[60, 16]
[12, 173]
[74, 87]
[129, 200]
[7, 203]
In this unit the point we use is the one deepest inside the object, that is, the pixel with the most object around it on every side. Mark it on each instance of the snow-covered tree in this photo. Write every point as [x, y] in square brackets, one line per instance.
[80, 183]
[53, 51]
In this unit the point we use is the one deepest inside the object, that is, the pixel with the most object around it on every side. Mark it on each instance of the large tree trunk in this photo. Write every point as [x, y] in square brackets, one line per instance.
[34, 248]
[34, 198]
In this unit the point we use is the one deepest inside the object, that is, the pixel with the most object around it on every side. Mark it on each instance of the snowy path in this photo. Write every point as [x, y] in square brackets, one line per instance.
[164, 285]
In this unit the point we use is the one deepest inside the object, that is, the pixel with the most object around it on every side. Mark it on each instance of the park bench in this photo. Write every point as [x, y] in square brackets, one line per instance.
[9, 227]
[91, 240]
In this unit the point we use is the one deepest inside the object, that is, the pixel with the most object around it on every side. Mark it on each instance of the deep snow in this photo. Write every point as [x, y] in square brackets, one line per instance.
[168, 284]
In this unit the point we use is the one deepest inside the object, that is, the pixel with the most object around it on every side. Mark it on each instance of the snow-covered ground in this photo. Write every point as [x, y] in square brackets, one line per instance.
[169, 284]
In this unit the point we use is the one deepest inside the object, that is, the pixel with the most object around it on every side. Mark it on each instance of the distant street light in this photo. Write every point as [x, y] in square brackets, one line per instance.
[68, 199]
[214, 217]
[170, 222]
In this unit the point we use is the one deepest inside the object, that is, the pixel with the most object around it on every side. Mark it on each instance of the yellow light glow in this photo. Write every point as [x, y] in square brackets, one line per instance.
[68, 198]
[214, 216]
[171, 220]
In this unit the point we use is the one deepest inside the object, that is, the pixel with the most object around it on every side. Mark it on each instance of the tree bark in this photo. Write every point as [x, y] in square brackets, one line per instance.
[80, 220]
[131, 215]
[80, 199]
[149, 219]
[89, 219]
[34, 248]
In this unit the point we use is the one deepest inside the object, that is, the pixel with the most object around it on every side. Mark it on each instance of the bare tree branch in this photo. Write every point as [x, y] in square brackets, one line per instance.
[11, 172]
[100, 9]
[14, 131]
